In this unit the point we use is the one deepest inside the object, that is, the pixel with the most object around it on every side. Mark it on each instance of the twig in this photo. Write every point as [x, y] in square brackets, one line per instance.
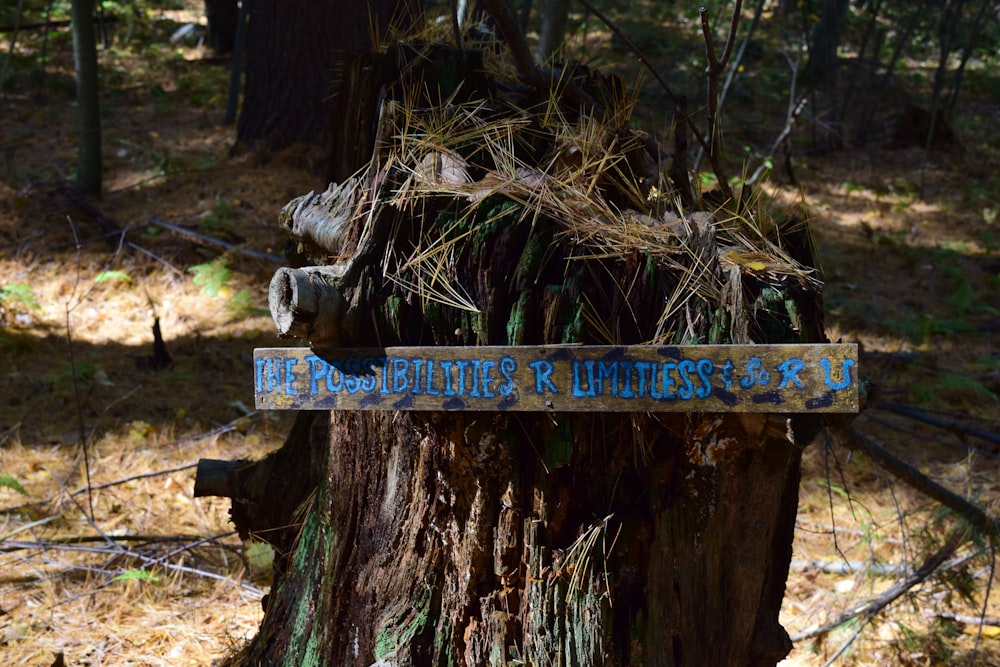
[969, 620]
[843, 647]
[72, 372]
[8, 546]
[714, 69]
[527, 71]
[795, 109]
[217, 242]
[731, 76]
[29, 526]
[873, 567]
[986, 603]
[154, 256]
[519, 51]
[871, 608]
[147, 561]
[145, 475]
[680, 101]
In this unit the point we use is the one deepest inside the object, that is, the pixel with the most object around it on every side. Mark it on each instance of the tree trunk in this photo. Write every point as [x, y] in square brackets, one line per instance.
[222, 16]
[457, 538]
[584, 540]
[552, 32]
[292, 80]
[88, 109]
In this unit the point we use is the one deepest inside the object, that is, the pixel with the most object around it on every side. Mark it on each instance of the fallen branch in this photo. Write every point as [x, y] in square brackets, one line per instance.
[872, 568]
[217, 242]
[952, 425]
[144, 560]
[965, 619]
[871, 608]
[8, 545]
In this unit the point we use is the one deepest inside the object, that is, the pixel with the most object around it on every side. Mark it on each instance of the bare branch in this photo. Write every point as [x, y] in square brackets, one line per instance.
[871, 608]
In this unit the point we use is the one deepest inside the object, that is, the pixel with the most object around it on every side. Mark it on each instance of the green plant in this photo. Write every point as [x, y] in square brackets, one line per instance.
[219, 221]
[137, 575]
[213, 276]
[9, 482]
[112, 276]
[241, 304]
[18, 296]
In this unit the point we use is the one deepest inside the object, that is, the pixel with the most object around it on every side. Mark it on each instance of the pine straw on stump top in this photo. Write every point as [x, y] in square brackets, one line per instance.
[609, 242]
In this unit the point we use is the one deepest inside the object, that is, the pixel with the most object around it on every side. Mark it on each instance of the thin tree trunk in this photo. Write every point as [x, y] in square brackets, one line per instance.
[88, 112]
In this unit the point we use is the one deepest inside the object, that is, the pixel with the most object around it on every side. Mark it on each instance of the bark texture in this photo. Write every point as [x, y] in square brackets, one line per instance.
[295, 53]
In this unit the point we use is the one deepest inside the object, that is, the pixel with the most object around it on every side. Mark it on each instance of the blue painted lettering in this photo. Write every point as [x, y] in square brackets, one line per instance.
[704, 368]
[418, 366]
[351, 370]
[790, 372]
[317, 371]
[727, 374]
[446, 366]
[487, 380]
[578, 391]
[607, 371]
[543, 369]
[640, 368]
[290, 377]
[258, 377]
[430, 379]
[653, 390]
[507, 368]
[668, 382]
[845, 374]
[400, 383]
[335, 371]
[476, 366]
[369, 379]
[685, 368]
[273, 370]
[753, 368]
[461, 365]
[626, 391]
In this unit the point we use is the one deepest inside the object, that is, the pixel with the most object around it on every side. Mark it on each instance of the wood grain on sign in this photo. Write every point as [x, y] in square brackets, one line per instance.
[694, 378]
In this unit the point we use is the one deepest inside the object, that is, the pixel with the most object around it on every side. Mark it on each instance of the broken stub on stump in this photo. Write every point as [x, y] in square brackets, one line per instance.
[496, 214]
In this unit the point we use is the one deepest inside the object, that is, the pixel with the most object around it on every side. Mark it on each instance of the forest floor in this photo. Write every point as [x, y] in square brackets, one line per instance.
[137, 571]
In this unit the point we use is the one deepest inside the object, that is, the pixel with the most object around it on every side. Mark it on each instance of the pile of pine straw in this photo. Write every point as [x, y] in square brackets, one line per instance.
[607, 188]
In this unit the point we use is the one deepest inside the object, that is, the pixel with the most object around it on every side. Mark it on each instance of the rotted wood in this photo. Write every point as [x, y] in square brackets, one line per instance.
[307, 303]
[320, 221]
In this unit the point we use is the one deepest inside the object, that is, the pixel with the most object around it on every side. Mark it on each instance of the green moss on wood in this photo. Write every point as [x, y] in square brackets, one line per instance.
[516, 321]
[407, 624]
[392, 308]
[559, 446]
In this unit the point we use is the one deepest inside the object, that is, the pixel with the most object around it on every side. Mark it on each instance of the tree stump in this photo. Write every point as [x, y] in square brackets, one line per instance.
[462, 538]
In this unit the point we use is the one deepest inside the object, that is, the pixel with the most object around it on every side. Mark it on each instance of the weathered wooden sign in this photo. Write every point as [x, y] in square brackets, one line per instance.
[695, 378]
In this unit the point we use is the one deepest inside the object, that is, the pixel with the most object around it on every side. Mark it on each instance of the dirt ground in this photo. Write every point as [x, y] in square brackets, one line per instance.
[910, 255]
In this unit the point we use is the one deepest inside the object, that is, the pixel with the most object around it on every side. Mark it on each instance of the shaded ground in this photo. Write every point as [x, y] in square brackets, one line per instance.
[910, 256]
